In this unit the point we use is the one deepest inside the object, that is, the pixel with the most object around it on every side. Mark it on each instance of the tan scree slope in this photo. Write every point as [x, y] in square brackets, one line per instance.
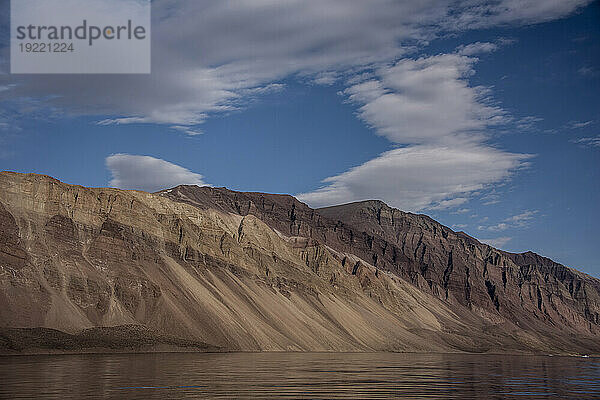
[73, 258]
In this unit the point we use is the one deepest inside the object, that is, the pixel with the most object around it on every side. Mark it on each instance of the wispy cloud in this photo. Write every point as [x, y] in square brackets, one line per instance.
[521, 220]
[491, 202]
[588, 72]
[580, 124]
[445, 204]
[495, 228]
[473, 49]
[188, 130]
[326, 78]
[527, 123]
[588, 141]
[498, 242]
[477, 48]
[461, 211]
[476, 14]
[490, 198]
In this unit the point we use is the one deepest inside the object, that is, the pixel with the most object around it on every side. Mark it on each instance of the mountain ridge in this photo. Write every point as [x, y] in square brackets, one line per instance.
[305, 221]
[253, 271]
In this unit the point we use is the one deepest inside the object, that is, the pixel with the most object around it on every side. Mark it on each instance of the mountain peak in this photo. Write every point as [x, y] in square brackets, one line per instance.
[235, 270]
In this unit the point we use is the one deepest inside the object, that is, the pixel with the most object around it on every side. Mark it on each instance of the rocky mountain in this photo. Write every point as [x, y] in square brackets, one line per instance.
[209, 268]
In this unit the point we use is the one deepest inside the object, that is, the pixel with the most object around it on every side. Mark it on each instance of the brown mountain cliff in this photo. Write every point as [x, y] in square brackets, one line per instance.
[251, 271]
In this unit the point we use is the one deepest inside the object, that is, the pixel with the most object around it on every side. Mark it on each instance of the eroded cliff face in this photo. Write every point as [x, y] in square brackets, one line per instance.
[523, 288]
[526, 289]
[249, 271]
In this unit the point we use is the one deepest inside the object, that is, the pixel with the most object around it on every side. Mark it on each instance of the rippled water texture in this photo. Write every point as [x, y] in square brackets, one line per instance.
[297, 375]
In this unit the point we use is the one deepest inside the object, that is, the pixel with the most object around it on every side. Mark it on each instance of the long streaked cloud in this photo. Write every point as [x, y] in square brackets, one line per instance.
[148, 173]
[521, 220]
[593, 141]
[415, 177]
[580, 124]
[220, 51]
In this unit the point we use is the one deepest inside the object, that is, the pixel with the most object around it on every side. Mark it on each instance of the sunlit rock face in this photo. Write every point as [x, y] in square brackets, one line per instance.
[253, 271]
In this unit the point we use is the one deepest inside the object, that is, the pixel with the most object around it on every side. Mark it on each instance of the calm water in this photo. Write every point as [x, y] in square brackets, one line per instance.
[294, 375]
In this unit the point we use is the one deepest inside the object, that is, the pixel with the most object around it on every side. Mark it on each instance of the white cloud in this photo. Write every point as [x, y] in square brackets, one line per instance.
[496, 242]
[213, 56]
[527, 123]
[187, 130]
[425, 99]
[427, 104]
[123, 121]
[502, 226]
[579, 124]
[461, 211]
[326, 78]
[412, 178]
[459, 226]
[481, 14]
[148, 173]
[208, 54]
[492, 197]
[451, 203]
[588, 141]
[491, 202]
[521, 220]
[477, 48]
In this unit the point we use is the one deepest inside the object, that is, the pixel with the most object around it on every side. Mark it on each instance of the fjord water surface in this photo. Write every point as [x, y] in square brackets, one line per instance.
[297, 375]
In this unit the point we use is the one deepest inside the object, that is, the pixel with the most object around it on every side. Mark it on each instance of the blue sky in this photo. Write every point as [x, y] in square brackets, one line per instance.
[484, 116]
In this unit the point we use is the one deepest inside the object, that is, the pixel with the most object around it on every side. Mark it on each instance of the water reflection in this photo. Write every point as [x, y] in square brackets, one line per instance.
[297, 375]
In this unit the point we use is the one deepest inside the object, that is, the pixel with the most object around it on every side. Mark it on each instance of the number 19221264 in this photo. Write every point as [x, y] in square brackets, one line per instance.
[46, 47]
